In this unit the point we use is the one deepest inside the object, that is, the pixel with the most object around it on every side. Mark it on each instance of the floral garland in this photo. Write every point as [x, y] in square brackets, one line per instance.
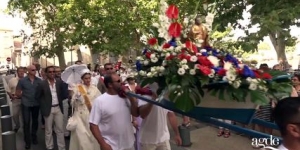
[186, 69]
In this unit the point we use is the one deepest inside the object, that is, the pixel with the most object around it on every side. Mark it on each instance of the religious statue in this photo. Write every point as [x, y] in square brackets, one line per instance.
[198, 33]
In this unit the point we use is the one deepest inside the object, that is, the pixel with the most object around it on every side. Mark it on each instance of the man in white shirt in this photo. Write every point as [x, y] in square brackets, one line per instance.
[16, 101]
[287, 118]
[154, 132]
[110, 117]
[49, 93]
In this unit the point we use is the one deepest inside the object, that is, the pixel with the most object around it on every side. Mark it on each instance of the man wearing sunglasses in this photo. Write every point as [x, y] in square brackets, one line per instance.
[108, 69]
[26, 89]
[110, 117]
[287, 117]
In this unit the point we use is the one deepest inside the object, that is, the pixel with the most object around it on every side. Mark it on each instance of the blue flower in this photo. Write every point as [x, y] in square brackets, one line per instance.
[217, 68]
[232, 59]
[145, 51]
[138, 65]
[204, 54]
[215, 53]
[247, 72]
[172, 42]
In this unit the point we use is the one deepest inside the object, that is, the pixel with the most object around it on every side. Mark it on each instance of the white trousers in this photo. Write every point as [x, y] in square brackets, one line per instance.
[160, 146]
[16, 112]
[226, 121]
[56, 118]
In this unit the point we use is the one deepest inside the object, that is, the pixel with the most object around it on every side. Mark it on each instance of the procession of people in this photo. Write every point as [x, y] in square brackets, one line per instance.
[96, 115]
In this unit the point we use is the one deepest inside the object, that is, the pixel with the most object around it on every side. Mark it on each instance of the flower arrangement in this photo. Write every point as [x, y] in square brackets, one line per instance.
[188, 70]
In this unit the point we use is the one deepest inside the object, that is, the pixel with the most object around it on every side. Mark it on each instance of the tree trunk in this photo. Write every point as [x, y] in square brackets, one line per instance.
[61, 58]
[279, 45]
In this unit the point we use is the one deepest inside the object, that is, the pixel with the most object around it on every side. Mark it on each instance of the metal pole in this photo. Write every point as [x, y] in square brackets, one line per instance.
[9, 140]
[185, 136]
[2, 101]
[5, 110]
[6, 123]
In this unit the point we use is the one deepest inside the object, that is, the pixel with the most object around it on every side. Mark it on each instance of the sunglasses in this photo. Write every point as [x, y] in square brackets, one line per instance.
[51, 71]
[109, 68]
[33, 70]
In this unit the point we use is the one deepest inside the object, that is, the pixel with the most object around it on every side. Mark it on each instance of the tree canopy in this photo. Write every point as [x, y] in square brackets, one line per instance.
[116, 26]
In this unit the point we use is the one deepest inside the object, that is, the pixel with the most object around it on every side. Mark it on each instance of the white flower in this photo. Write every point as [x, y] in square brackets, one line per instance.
[249, 79]
[253, 86]
[227, 65]
[146, 62]
[214, 60]
[186, 21]
[224, 78]
[168, 54]
[174, 54]
[152, 56]
[153, 69]
[203, 50]
[162, 54]
[236, 84]
[142, 73]
[192, 71]
[193, 58]
[183, 61]
[154, 60]
[185, 67]
[156, 25]
[178, 49]
[164, 63]
[181, 71]
[161, 68]
[230, 77]
[149, 74]
[139, 58]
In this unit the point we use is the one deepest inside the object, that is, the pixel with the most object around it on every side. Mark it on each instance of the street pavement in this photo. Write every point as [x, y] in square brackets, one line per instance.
[203, 137]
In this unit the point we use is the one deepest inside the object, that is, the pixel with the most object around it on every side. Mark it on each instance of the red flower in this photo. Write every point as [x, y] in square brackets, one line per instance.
[266, 76]
[181, 56]
[257, 73]
[166, 45]
[175, 29]
[152, 41]
[204, 61]
[189, 45]
[148, 54]
[172, 12]
[205, 70]
[239, 71]
[222, 72]
[170, 57]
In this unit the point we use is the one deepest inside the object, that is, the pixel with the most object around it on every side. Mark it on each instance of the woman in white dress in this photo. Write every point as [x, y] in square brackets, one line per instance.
[82, 101]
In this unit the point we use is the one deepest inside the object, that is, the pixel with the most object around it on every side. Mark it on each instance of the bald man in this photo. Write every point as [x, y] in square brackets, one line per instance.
[26, 89]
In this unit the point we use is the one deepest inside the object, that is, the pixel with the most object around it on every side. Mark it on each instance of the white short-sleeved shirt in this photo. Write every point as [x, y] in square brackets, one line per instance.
[112, 114]
[154, 128]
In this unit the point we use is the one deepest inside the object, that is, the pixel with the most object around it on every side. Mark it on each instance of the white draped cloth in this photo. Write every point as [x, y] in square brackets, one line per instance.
[82, 138]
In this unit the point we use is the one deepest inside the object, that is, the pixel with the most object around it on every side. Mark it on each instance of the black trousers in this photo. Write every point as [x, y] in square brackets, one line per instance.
[30, 119]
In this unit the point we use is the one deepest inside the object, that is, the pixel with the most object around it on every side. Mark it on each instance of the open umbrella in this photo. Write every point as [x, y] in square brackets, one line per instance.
[72, 74]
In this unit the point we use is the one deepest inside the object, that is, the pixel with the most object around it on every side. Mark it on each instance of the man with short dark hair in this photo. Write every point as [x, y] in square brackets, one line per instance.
[287, 117]
[16, 101]
[78, 62]
[108, 69]
[110, 117]
[49, 93]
